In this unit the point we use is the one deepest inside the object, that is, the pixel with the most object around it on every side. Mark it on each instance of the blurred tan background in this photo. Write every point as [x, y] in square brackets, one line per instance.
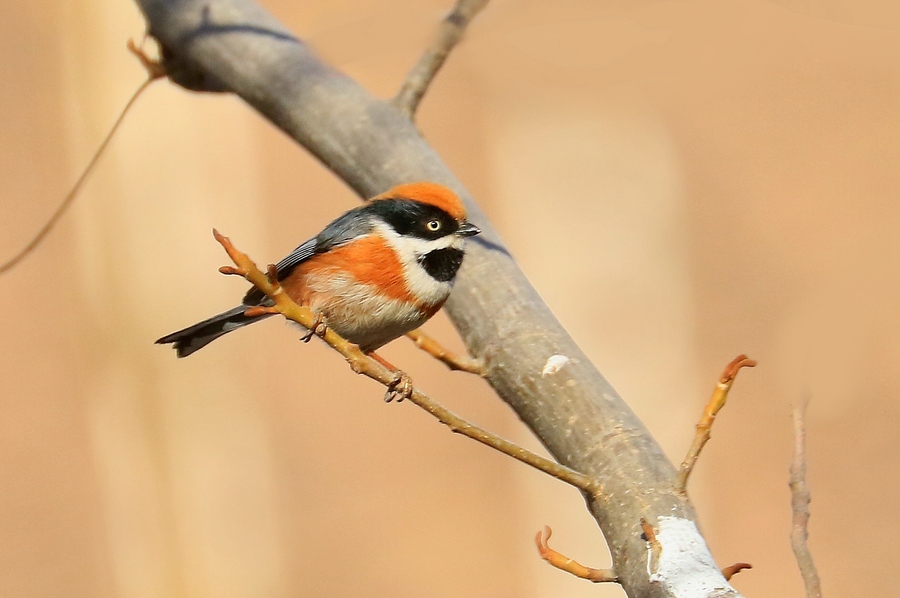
[682, 181]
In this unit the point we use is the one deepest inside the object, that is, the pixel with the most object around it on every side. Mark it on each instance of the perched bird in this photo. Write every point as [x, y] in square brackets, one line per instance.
[375, 273]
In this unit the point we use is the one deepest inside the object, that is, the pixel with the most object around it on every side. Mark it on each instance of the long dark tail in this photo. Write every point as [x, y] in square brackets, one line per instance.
[202, 333]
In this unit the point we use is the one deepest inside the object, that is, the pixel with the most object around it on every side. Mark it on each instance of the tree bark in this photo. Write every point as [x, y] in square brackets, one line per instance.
[369, 144]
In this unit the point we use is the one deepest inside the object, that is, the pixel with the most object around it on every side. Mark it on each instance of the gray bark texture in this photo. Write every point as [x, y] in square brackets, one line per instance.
[578, 416]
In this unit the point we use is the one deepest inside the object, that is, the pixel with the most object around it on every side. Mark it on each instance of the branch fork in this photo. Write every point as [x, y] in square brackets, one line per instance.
[462, 363]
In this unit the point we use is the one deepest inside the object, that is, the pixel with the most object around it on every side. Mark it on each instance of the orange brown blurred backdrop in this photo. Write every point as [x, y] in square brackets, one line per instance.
[682, 181]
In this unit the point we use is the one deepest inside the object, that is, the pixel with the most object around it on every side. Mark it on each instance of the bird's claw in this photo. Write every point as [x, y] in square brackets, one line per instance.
[400, 388]
[317, 329]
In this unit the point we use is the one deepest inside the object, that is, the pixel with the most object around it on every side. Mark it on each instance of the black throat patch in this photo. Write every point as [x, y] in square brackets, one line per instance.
[442, 264]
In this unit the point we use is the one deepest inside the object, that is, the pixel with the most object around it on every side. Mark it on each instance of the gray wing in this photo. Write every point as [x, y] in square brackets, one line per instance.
[296, 257]
[345, 228]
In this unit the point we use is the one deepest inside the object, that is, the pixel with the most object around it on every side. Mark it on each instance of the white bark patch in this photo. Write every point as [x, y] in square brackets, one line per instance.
[553, 365]
[686, 568]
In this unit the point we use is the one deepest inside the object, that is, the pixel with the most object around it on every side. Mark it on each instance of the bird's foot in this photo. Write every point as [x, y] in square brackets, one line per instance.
[318, 328]
[400, 388]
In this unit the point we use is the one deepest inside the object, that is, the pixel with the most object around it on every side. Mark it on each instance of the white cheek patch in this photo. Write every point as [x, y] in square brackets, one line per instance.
[420, 283]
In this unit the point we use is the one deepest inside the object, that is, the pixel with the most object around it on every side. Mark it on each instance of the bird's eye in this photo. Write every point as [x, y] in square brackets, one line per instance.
[434, 225]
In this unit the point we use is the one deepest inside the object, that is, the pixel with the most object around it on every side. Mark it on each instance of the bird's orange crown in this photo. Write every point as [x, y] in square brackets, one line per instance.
[430, 193]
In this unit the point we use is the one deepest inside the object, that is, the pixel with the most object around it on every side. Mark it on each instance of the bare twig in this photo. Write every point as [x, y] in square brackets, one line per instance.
[419, 78]
[732, 570]
[716, 402]
[463, 363]
[154, 67]
[800, 497]
[374, 369]
[152, 75]
[560, 561]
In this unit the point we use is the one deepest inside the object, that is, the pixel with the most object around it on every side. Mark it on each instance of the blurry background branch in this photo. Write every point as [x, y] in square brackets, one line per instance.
[372, 145]
[450, 33]
[154, 72]
[800, 497]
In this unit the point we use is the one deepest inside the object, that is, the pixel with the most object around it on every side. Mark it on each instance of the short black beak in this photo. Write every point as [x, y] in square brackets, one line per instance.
[467, 229]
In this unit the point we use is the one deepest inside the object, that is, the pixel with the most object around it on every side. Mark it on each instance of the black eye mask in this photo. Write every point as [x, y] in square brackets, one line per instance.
[411, 218]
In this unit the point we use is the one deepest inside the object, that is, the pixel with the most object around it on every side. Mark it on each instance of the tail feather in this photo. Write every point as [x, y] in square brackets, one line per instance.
[202, 333]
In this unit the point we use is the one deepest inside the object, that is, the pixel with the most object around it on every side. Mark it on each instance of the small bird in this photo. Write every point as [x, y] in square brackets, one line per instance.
[374, 274]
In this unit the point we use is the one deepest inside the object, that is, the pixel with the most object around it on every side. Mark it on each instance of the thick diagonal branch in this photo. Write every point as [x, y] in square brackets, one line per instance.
[372, 146]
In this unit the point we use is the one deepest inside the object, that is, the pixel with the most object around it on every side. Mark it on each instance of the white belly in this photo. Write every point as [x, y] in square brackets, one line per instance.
[356, 313]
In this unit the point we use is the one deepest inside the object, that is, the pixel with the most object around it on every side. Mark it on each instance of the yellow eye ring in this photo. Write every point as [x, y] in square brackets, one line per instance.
[433, 225]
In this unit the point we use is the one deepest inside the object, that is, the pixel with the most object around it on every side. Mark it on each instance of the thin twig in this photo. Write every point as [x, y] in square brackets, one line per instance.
[419, 78]
[732, 570]
[371, 368]
[800, 497]
[154, 66]
[462, 363]
[716, 402]
[561, 561]
[152, 75]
